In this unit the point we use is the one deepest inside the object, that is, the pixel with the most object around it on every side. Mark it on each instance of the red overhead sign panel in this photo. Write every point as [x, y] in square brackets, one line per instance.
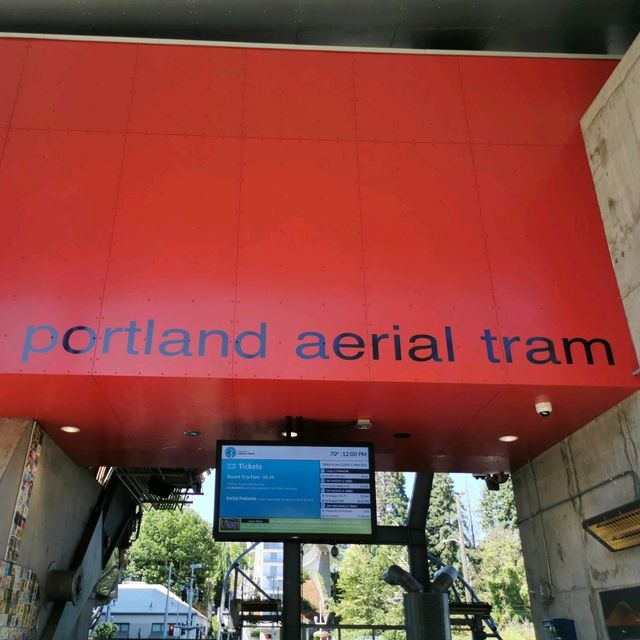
[213, 238]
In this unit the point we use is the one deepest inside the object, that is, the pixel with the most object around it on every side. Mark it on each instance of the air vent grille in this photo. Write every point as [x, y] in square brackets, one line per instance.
[616, 529]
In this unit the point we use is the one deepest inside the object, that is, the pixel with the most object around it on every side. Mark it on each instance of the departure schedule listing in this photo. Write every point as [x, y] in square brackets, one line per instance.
[262, 489]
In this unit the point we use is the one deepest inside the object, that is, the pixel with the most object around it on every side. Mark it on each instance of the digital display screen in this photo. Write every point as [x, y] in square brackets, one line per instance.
[280, 491]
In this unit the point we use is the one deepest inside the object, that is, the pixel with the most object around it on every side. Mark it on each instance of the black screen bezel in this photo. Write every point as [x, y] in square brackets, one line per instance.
[230, 536]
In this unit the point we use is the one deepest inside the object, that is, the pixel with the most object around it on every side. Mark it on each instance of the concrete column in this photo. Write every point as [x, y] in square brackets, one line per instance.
[46, 501]
[595, 469]
[566, 567]
[14, 440]
[611, 129]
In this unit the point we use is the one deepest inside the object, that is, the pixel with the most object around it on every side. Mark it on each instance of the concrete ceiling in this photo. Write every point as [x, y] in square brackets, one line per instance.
[561, 26]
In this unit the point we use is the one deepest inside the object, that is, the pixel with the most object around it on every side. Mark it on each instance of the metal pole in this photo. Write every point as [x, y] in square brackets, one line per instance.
[194, 566]
[166, 602]
[427, 616]
[291, 591]
[416, 534]
[463, 550]
[190, 602]
[473, 533]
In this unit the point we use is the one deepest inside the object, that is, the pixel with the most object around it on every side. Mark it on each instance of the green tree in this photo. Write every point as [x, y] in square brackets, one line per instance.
[498, 509]
[362, 596]
[442, 521]
[105, 631]
[183, 538]
[500, 577]
[499, 567]
[392, 504]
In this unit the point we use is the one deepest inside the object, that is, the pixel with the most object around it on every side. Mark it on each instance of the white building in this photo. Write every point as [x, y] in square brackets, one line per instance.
[267, 568]
[139, 613]
[267, 572]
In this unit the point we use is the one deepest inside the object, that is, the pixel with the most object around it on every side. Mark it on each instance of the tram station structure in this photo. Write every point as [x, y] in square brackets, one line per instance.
[200, 238]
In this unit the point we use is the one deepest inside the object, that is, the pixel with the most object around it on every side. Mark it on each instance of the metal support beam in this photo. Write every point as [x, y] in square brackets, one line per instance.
[291, 591]
[107, 524]
[416, 534]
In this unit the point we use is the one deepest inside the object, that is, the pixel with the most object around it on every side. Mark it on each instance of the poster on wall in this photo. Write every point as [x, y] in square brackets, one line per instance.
[621, 609]
[23, 498]
[19, 604]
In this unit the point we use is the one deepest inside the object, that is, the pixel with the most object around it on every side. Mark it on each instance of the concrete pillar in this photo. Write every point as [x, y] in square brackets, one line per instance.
[595, 469]
[46, 501]
[14, 440]
[427, 616]
[586, 474]
[611, 129]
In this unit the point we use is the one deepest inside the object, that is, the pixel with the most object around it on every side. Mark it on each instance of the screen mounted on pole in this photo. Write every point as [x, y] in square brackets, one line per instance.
[283, 491]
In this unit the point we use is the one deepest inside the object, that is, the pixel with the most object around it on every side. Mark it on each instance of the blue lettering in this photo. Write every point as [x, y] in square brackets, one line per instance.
[224, 342]
[261, 346]
[182, 343]
[28, 340]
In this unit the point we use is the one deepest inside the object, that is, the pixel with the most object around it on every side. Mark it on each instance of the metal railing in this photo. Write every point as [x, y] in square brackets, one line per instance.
[355, 631]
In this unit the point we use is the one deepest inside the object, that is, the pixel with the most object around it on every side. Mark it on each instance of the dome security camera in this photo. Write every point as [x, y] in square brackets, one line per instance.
[544, 409]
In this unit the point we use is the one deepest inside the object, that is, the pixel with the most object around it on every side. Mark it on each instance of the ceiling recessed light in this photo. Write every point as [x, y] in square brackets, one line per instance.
[192, 433]
[69, 429]
[291, 434]
[508, 438]
[402, 435]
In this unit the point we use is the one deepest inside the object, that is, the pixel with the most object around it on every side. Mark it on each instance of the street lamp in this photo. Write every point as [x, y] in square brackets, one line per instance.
[195, 566]
[166, 603]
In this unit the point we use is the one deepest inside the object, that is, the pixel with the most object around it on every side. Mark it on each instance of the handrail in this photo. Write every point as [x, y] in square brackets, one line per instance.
[375, 629]
[491, 623]
[224, 592]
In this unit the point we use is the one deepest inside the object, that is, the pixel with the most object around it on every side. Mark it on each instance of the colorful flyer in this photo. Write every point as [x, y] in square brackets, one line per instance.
[19, 603]
[21, 509]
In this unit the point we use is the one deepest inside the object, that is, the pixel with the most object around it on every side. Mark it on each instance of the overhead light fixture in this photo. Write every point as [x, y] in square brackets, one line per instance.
[363, 424]
[196, 478]
[291, 431]
[69, 429]
[192, 433]
[618, 528]
[508, 438]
